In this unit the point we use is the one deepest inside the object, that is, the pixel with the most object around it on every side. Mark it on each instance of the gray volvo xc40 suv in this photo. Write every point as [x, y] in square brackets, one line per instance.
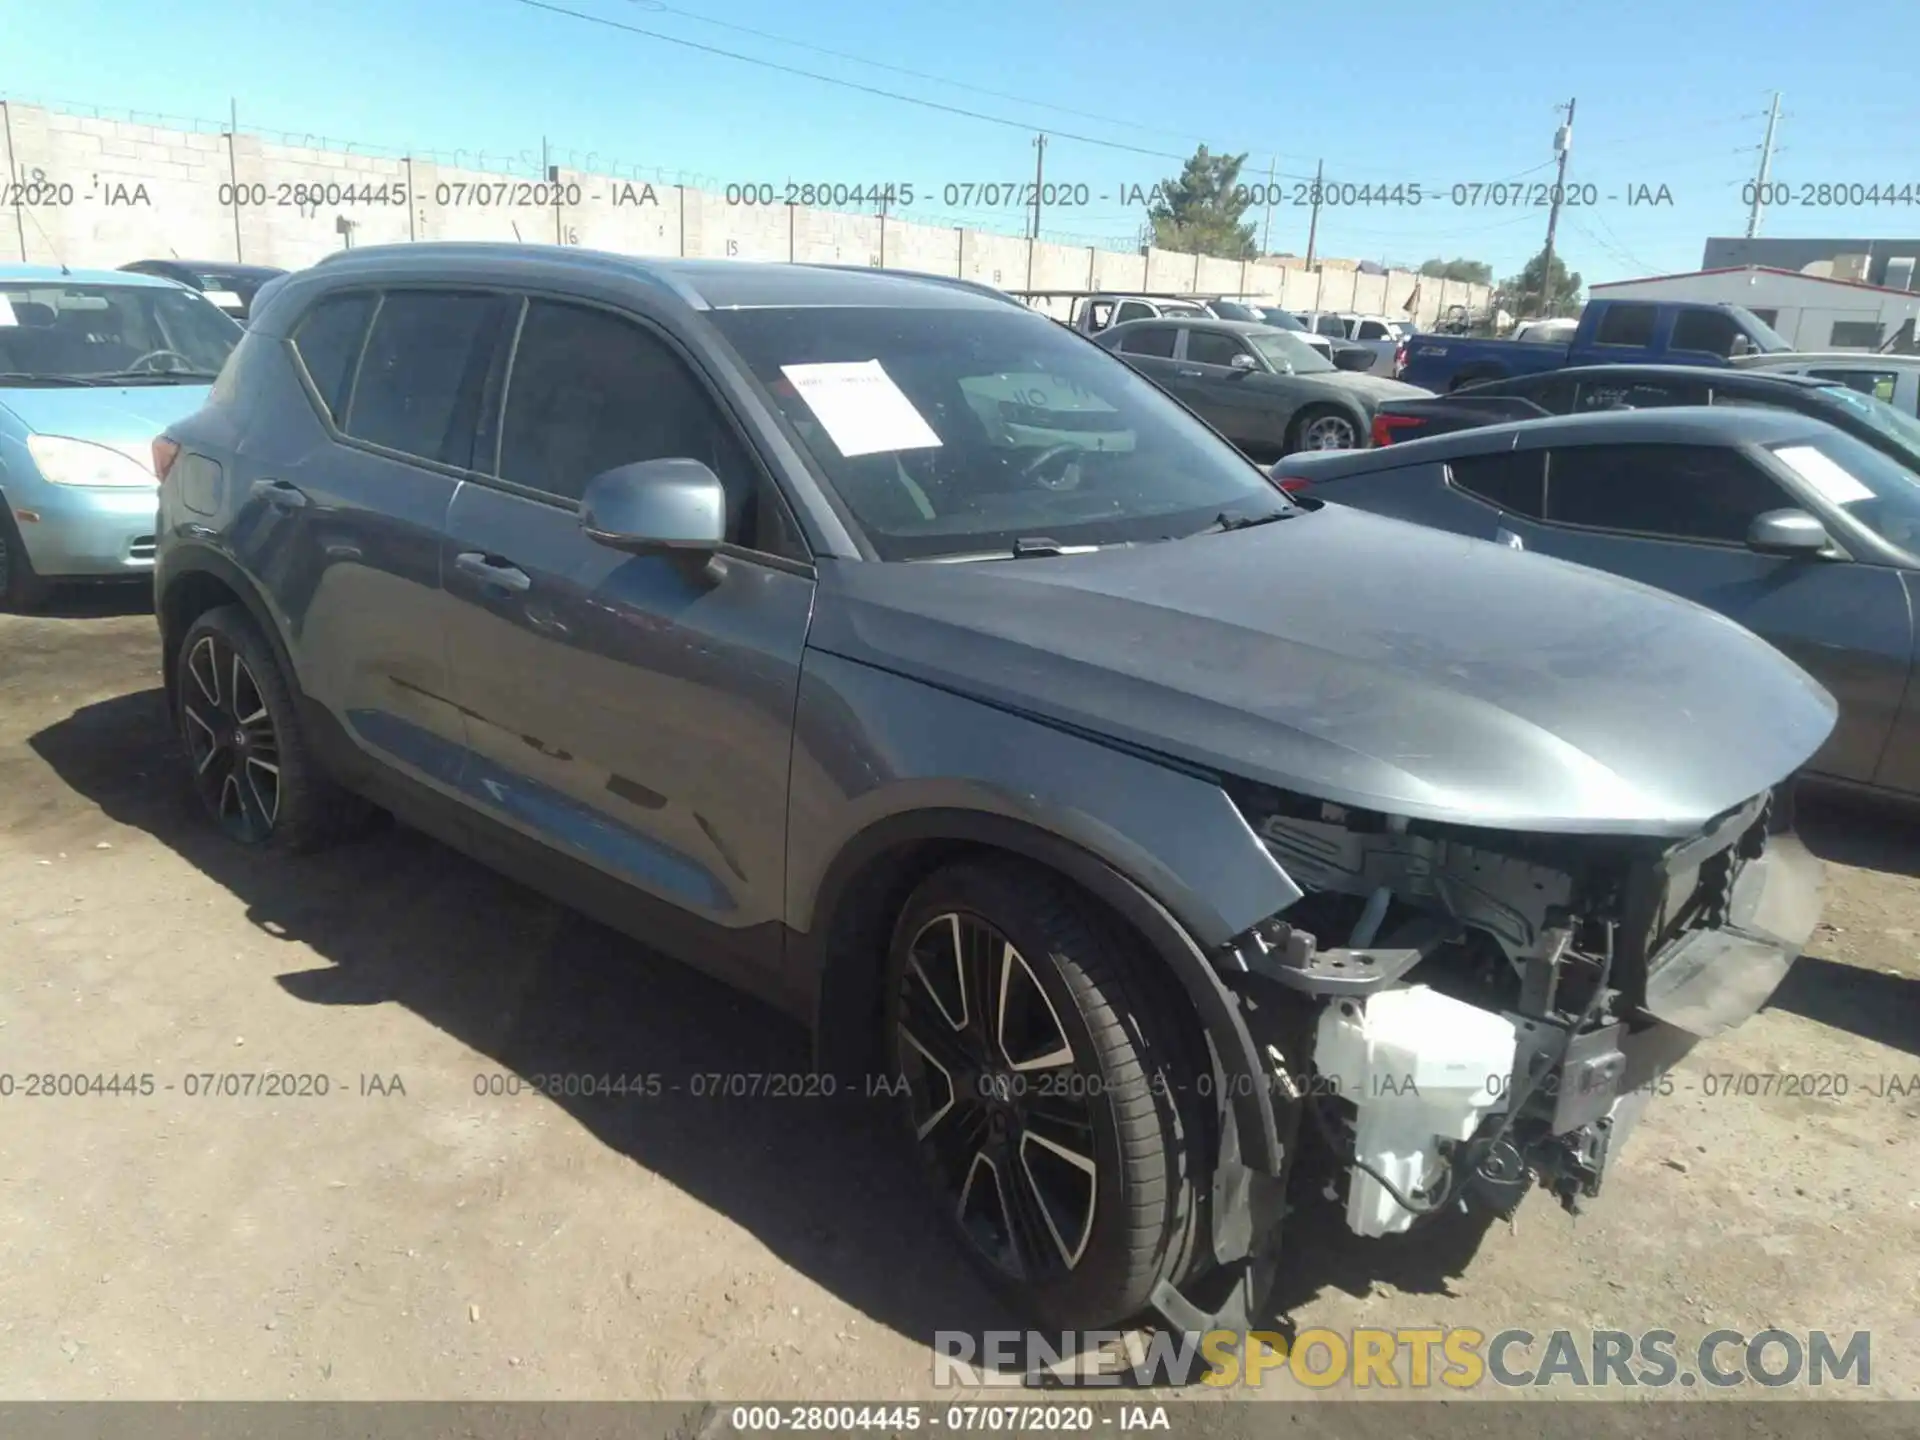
[891, 652]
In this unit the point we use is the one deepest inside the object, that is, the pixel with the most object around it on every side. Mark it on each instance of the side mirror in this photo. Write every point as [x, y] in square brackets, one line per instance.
[1244, 362]
[1354, 359]
[652, 506]
[1741, 346]
[1787, 532]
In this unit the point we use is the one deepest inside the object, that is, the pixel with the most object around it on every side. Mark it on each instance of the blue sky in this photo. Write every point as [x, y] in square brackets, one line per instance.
[1388, 94]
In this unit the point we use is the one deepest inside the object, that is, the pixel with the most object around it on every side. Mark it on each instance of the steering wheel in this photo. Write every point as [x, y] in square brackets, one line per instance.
[1036, 469]
[156, 354]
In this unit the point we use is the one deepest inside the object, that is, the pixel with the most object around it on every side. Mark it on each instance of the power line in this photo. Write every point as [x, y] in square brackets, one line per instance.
[919, 100]
[657, 6]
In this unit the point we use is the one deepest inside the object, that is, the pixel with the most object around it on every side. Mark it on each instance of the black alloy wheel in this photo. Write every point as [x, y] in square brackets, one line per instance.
[994, 1098]
[231, 738]
[1049, 1067]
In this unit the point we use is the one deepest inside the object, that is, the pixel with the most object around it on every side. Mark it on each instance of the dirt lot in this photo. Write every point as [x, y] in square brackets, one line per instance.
[416, 1239]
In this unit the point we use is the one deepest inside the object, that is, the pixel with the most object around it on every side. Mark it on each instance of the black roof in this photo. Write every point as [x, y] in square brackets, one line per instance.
[214, 267]
[701, 284]
[1668, 425]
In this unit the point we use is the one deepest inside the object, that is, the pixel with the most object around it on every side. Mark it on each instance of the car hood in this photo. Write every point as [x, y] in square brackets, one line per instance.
[1363, 661]
[120, 415]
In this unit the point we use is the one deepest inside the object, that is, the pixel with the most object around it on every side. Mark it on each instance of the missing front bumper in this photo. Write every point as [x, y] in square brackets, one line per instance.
[1712, 980]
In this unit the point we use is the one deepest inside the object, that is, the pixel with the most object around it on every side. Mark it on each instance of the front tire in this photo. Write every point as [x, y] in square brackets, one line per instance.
[251, 763]
[1049, 1090]
[22, 589]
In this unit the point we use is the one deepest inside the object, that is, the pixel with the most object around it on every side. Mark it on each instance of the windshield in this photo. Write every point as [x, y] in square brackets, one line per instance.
[1870, 488]
[163, 334]
[1280, 319]
[1288, 353]
[951, 432]
[1766, 339]
[1896, 425]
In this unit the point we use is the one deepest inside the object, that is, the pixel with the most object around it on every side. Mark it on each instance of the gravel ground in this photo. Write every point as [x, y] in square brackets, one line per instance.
[408, 1237]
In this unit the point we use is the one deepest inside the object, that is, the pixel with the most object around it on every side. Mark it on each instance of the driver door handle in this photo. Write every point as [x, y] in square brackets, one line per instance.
[279, 492]
[492, 570]
[1190, 374]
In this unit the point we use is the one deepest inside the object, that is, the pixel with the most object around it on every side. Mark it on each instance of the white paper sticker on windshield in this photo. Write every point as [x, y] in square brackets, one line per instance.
[225, 299]
[862, 410]
[6, 312]
[1824, 474]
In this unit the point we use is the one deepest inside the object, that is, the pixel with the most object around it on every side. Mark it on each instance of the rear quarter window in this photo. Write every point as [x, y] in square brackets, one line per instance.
[328, 341]
[1511, 481]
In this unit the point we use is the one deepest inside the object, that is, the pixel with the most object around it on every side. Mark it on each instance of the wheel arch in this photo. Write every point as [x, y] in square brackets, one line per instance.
[1349, 410]
[867, 882]
[201, 580]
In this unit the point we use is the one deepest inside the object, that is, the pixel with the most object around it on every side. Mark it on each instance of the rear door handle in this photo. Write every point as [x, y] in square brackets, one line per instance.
[279, 492]
[492, 570]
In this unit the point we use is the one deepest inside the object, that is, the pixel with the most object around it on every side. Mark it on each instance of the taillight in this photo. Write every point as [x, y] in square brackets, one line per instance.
[165, 452]
[1292, 484]
[1400, 357]
[1385, 426]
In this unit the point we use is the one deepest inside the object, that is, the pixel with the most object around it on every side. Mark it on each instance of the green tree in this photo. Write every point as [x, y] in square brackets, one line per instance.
[1199, 210]
[1528, 292]
[1471, 272]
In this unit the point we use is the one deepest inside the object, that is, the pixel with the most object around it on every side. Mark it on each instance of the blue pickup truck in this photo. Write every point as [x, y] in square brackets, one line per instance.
[1639, 332]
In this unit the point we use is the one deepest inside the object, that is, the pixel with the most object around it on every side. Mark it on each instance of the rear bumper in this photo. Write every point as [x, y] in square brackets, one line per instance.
[72, 531]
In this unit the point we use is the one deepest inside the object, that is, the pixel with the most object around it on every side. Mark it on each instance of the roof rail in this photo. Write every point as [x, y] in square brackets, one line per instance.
[955, 282]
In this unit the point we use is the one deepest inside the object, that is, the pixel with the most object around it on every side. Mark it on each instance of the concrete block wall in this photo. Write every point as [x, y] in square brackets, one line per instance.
[101, 193]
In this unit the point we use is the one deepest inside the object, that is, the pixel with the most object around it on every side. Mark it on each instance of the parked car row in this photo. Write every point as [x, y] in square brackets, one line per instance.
[873, 643]
[1789, 502]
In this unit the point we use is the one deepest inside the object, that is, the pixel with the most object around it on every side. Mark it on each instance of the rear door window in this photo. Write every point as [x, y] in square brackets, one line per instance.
[1625, 324]
[1698, 493]
[1155, 340]
[421, 378]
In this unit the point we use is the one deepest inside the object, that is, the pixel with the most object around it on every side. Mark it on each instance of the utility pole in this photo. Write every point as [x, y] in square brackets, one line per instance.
[1039, 179]
[1563, 146]
[1266, 230]
[1313, 224]
[1766, 164]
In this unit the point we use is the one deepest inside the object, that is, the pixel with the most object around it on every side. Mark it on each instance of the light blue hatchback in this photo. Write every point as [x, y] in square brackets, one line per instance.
[93, 365]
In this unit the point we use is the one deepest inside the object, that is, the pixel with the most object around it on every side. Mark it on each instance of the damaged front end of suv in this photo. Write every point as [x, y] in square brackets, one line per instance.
[1459, 1015]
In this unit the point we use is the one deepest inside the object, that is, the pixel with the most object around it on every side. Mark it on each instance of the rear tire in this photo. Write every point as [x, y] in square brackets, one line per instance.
[1054, 1124]
[1321, 427]
[251, 763]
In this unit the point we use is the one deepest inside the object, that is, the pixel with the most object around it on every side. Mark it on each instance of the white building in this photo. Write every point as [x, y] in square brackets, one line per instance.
[1813, 312]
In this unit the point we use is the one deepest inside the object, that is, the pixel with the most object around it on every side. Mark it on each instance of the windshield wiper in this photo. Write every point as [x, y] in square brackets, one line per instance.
[112, 377]
[1226, 522]
[11, 377]
[1029, 547]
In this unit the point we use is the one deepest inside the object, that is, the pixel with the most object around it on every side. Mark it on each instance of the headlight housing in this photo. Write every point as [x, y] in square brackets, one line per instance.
[66, 461]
